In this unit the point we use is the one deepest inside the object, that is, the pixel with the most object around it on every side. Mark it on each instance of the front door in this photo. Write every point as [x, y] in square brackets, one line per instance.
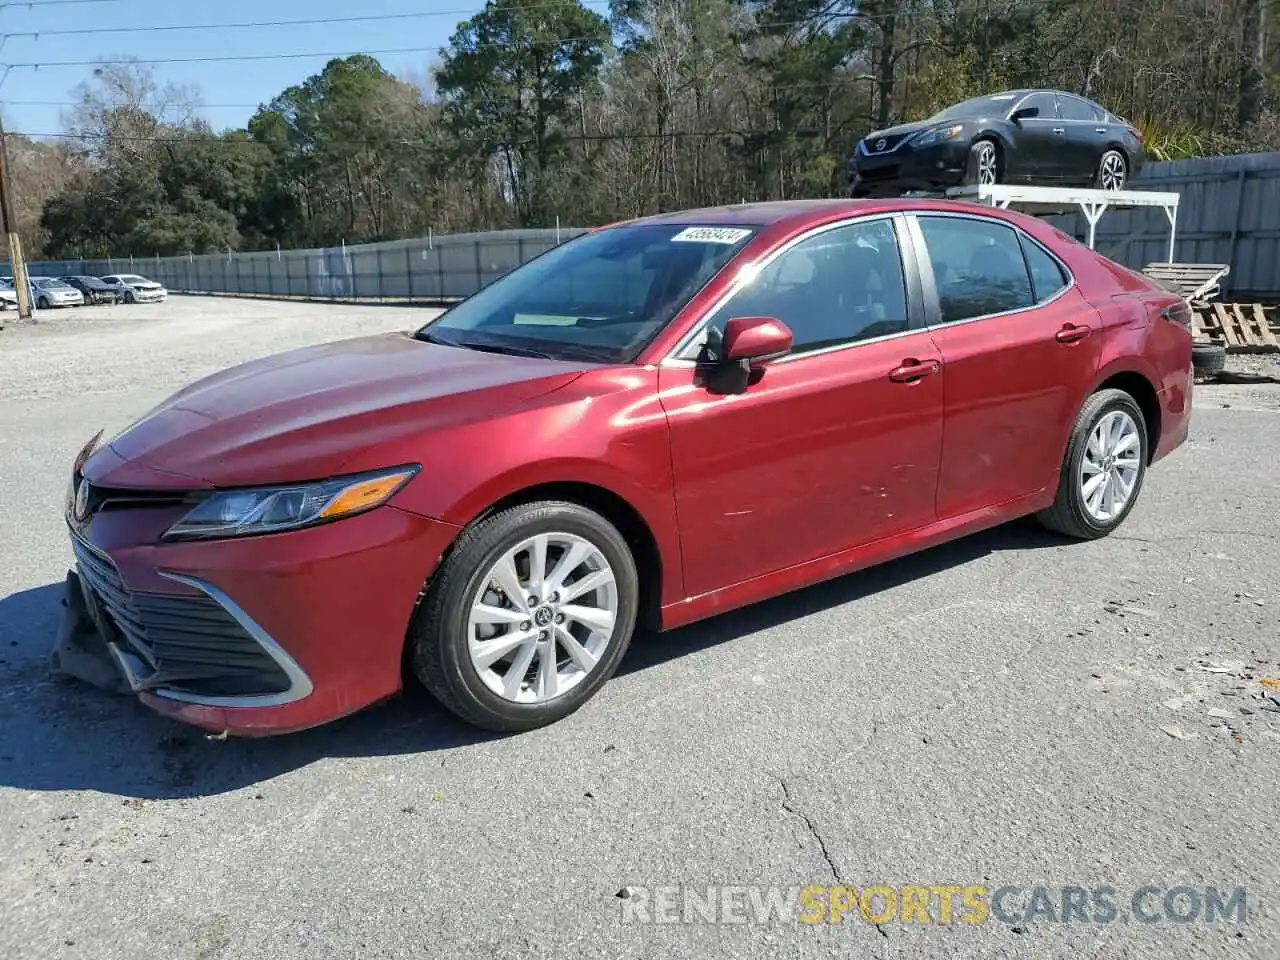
[834, 446]
[1039, 142]
[1020, 347]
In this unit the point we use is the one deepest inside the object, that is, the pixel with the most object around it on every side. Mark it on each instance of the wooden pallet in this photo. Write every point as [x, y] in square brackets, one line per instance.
[1192, 281]
[1241, 327]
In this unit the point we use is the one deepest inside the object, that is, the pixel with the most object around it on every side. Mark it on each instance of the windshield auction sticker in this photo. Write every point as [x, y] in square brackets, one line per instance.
[729, 235]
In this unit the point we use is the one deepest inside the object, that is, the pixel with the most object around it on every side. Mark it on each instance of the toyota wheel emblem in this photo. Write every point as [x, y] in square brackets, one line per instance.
[881, 144]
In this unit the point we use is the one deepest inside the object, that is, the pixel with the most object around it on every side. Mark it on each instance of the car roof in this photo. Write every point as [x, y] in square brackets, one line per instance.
[798, 213]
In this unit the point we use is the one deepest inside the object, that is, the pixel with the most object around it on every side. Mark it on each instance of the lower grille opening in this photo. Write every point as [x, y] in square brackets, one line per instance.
[186, 644]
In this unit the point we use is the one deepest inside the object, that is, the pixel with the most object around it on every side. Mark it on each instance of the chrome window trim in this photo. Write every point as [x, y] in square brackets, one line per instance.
[300, 685]
[674, 358]
[1027, 96]
[927, 279]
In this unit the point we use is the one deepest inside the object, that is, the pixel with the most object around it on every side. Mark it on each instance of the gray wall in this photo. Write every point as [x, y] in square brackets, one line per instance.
[434, 268]
[1229, 213]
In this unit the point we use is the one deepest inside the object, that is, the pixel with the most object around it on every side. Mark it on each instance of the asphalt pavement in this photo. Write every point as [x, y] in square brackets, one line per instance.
[1008, 711]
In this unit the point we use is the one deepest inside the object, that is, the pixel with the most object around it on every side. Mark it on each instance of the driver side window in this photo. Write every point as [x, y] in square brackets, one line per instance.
[837, 287]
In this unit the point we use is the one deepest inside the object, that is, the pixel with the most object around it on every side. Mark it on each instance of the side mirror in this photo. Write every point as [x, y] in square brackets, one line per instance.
[755, 340]
[1024, 113]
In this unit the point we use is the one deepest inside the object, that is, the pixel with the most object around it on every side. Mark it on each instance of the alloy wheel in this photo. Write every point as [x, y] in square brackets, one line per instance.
[988, 173]
[1110, 467]
[542, 618]
[1112, 175]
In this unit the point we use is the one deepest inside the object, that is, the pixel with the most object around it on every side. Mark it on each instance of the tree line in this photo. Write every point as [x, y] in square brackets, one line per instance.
[544, 109]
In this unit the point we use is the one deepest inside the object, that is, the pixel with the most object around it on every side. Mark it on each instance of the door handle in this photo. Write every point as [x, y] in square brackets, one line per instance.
[1061, 130]
[1072, 333]
[912, 370]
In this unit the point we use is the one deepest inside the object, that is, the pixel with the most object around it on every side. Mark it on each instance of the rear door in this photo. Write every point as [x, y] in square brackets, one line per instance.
[1087, 136]
[1020, 347]
[832, 447]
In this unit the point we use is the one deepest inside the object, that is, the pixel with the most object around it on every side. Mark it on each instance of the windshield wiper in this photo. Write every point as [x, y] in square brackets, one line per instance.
[485, 346]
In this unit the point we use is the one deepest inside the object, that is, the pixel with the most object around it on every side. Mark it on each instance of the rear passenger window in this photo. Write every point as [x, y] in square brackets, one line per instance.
[977, 266]
[1047, 276]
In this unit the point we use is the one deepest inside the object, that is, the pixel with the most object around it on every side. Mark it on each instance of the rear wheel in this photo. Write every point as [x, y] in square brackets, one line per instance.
[1103, 470]
[1113, 171]
[528, 617]
[983, 168]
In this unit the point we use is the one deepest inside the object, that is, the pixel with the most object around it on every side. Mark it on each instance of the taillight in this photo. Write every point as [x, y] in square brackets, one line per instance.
[1137, 134]
[1179, 313]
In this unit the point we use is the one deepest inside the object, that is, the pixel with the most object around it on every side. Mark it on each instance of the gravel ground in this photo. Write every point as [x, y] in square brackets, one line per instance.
[1008, 709]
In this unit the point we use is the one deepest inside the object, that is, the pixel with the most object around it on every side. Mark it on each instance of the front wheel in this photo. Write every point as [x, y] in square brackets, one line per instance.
[983, 167]
[528, 617]
[1103, 470]
[129, 297]
[42, 304]
[1113, 171]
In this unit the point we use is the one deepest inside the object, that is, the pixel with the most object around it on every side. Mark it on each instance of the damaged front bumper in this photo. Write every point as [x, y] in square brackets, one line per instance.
[81, 650]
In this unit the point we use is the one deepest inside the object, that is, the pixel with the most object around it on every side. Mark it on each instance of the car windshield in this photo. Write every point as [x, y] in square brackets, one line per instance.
[49, 284]
[994, 105]
[133, 278]
[601, 297]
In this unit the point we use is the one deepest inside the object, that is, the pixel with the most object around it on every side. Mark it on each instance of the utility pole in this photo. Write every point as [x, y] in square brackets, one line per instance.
[9, 221]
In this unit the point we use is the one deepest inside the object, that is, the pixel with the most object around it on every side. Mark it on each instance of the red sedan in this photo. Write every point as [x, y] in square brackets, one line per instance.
[652, 423]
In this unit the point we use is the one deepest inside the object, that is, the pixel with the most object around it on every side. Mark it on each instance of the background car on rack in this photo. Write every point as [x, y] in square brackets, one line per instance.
[94, 290]
[49, 292]
[136, 289]
[1042, 137]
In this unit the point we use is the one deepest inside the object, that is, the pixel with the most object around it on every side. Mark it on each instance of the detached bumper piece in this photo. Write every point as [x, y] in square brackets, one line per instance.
[188, 648]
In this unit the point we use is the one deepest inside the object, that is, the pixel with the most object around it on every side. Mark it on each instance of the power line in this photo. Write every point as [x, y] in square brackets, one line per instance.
[309, 21]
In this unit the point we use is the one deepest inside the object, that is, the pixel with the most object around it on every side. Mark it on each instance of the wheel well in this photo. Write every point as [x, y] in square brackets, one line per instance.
[644, 547]
[1140, 388]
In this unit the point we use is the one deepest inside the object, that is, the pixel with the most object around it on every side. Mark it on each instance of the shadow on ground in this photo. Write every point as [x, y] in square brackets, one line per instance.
[63, 735]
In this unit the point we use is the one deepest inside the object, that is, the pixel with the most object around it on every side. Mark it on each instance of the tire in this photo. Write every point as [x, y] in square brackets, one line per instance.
[42, 304]
[1113, 171]
[1208, 359]
[983, 166]
[442, 633]
[129, 297]
[1070, 515]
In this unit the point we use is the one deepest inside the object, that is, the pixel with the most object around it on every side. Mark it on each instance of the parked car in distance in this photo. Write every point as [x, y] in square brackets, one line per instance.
[1043, 137]
[655, 422]
[8, 296]
[136, 289]
[95, 290]
[49, 292]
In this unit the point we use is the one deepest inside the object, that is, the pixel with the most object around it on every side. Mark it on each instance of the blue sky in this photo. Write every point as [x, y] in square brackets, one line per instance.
[31, 101]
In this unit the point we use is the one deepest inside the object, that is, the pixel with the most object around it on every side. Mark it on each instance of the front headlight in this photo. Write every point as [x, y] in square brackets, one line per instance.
[939, 135]
[239, 513]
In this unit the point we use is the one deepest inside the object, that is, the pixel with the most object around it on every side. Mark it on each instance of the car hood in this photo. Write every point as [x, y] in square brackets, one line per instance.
[898, 131]
[302, 415]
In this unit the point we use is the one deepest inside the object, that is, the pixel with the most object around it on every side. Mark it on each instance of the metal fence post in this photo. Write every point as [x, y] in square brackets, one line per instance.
[408, 270]
[1241, 176]
[475, 243]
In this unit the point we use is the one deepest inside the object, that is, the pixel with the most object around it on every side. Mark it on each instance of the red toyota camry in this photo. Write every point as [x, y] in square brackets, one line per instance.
[652, 423]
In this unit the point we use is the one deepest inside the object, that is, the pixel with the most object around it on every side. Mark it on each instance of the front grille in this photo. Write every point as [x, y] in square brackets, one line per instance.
[190, 644]
[872, 145]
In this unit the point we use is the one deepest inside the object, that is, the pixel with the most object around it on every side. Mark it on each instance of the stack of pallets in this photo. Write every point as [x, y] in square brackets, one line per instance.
[1240, 327]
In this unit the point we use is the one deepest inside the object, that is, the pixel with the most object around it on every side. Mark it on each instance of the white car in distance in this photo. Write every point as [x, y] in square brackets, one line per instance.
[136, 289]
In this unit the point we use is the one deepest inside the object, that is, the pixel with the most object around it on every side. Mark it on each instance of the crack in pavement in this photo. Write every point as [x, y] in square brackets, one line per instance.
[789, 807]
